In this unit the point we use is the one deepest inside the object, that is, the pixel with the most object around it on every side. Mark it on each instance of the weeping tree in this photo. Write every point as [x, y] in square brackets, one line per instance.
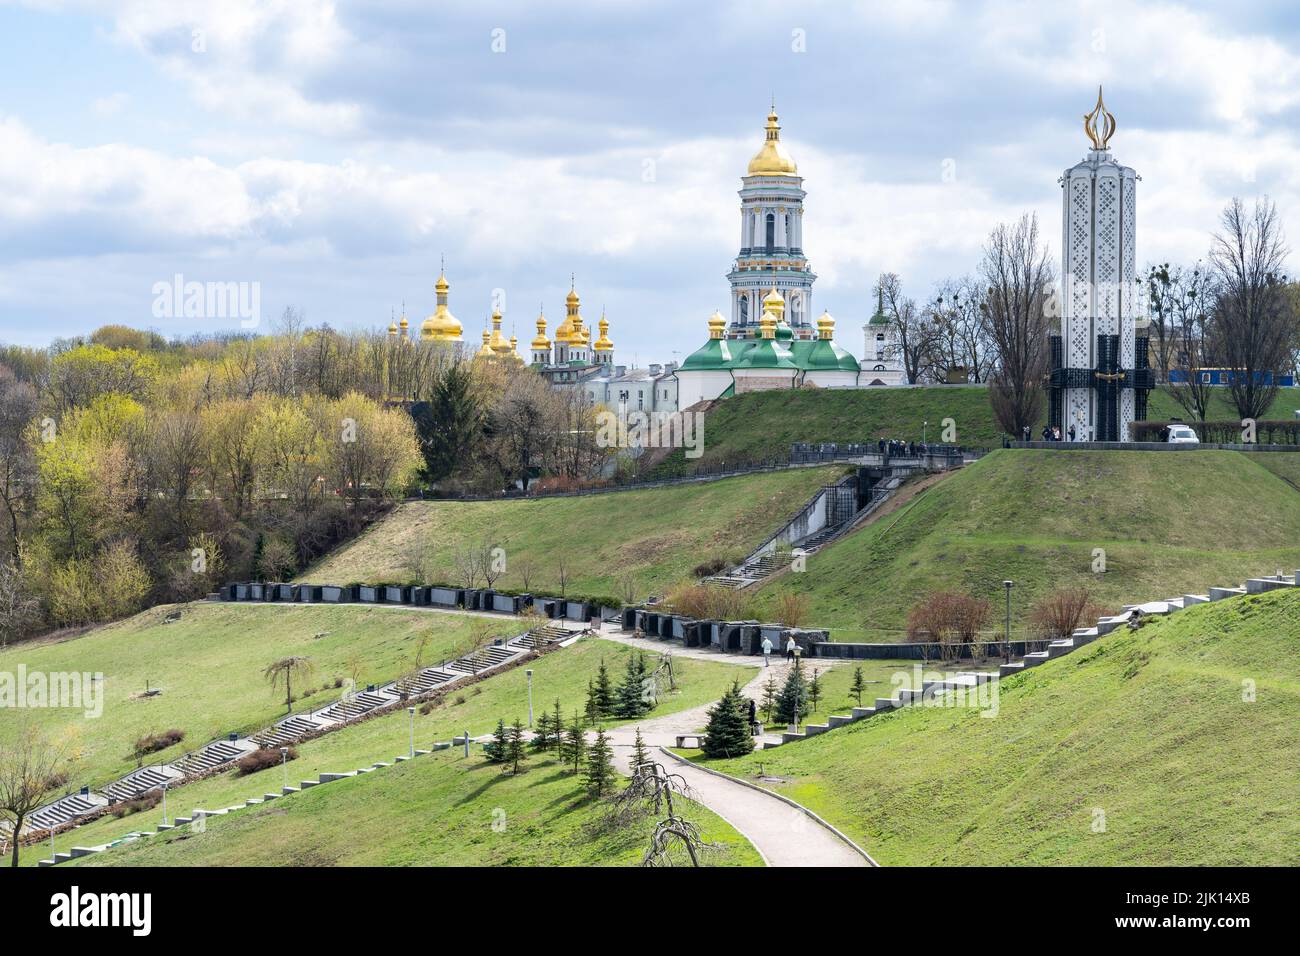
[285, 671]
[654, 792]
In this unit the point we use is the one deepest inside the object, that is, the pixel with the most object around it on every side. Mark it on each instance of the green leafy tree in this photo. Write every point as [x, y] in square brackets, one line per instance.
[599, 777]
[792, 703]
[727, 732]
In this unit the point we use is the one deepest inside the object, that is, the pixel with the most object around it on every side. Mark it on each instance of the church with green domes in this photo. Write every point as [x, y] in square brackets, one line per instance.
[770, 341]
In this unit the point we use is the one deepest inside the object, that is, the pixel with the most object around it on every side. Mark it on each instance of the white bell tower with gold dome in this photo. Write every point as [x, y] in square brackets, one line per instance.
[771, 242]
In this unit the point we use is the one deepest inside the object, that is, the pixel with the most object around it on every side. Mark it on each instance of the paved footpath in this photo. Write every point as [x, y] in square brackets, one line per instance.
[782, 834]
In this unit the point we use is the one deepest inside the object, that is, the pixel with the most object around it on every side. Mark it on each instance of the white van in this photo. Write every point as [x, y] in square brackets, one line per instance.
[1182, 435]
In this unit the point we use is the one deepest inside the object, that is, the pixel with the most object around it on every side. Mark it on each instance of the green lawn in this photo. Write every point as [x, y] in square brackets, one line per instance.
[208, 667]
[654, 535]
[1171, 745]
[764, 424]
[1168, 524]
[439, 810]
[561, 674]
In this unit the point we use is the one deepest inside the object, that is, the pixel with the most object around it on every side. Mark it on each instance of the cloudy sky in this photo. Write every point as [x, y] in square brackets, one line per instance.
[333, 152]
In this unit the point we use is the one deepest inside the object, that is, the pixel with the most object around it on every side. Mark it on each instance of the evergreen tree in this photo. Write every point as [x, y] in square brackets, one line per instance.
[770, 694]
[603, 691]
[858, 686]
[498, 747]
[727, 733]
[592, 708]
[573, 745]
[632, 700]
[557, 723]
[815, 690]
[516, 752]
[600, 765]
[792, 702]
[448, 423]
[543, 739]
[640, 755]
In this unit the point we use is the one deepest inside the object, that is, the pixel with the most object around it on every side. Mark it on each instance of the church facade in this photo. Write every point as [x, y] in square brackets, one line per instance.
[770, 340]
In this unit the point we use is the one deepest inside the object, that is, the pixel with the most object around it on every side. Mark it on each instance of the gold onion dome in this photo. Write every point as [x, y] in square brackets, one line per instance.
[441, 326]
[717, 325]
[767, 325]
[498, 342]
[826, 326]
[772, 159]
[603, 344]
[774, 302]
[570, 330]
[485, 351]
[541, 342]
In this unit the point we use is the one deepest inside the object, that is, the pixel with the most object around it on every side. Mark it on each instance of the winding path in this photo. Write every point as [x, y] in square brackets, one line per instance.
[784, 835]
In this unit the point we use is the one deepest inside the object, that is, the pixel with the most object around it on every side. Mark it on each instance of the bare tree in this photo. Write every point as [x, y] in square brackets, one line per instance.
[914, 335]
[1253, 319]
[1019, 277]
[18, 406]
[956, 318]
[30, 768]
[18, 606]
[1179, 333]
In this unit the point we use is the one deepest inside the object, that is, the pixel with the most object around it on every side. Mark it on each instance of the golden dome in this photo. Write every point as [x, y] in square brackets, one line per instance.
[603, 344]
[485, 351]
[570, 330]
[441, 326]
[767, 325]
[392, 328]
[717, 325]
[826, 326]
[772, 159]
[774, 302]
[498, 342]
[541, 342]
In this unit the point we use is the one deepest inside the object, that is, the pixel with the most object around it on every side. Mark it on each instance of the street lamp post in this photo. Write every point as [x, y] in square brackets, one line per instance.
[164, 790]
[529, 672]
[411, 713]
[466, 741]
[284, 765]
[1007, 655]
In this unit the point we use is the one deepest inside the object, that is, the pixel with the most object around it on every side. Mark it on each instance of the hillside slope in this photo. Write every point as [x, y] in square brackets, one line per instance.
[1167, 523]
[656, 535]
[760, 425]
[438, 810]
[1170, 745]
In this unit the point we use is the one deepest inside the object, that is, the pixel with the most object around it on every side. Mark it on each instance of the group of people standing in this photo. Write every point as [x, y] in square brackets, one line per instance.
[893, 448]
[1051, 433]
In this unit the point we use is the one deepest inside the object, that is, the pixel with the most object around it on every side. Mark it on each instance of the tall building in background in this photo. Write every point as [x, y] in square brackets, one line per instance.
[1099, 375]
[771, 242]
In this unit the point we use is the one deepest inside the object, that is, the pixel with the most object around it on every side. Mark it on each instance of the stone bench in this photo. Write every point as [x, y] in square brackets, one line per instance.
[682, 738]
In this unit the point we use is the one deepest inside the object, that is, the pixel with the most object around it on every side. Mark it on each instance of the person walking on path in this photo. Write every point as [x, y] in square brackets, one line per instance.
[789, 649]
[753, 717]
[767, 651]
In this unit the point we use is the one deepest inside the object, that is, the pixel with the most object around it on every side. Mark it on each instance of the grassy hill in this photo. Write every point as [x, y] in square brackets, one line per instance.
[1168, 523]
[654, 535]
[208, 669]
[562, 675]
[439, 810]
[759, 425]
[1152, 729]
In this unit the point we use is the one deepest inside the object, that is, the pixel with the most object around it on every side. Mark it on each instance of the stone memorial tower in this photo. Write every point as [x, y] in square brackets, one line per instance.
[1099, 375]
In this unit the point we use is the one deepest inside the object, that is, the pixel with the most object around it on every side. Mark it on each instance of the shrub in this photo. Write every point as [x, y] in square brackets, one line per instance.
[262, 759]
[146, 801]
[709, 602]
[710, 567]
[1057, 615]
[949, 618]
[152, 743]
[791, 609]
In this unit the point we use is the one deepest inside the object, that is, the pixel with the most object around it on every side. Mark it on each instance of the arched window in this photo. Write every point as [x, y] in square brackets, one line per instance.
[771, 232]
[787, 230]
[744, 310]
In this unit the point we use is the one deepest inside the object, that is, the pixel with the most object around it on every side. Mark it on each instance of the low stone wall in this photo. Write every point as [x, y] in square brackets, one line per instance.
[1144, 446]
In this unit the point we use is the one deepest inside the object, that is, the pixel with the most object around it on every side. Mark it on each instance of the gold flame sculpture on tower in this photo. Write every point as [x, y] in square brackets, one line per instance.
[1099, 124]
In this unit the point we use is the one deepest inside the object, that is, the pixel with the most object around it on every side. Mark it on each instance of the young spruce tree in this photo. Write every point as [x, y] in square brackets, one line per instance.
[727, 733]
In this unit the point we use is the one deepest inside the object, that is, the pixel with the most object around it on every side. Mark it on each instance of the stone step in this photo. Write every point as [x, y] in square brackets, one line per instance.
[1218, 594]
[862, 712]
[812, 730]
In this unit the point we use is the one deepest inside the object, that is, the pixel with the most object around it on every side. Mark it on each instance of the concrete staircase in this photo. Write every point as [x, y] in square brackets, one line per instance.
[65, 810]
[213, 755]
[141, 781]
[1052, 649]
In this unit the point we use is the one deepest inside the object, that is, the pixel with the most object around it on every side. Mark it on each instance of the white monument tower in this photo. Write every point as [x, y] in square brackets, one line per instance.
[1099, 375]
